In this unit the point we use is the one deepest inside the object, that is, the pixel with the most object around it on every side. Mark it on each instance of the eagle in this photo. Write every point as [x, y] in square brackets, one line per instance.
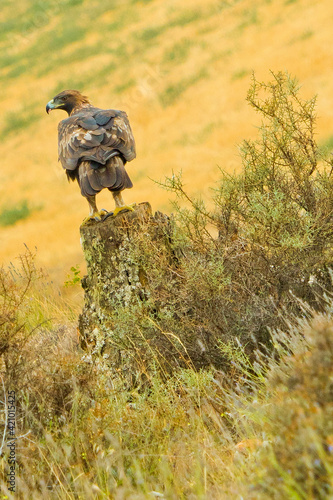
[94, 145]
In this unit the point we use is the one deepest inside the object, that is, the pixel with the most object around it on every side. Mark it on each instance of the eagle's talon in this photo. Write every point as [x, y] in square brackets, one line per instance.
[128, 208]
[87, 219]
[96, 216]
[103, 214]
[108, 214]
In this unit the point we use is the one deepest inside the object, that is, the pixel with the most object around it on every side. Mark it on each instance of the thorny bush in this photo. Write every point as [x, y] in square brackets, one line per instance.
[274, 224]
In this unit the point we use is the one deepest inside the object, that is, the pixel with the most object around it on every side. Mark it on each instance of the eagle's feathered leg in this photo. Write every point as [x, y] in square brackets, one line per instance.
[94, 213]
[120, 204]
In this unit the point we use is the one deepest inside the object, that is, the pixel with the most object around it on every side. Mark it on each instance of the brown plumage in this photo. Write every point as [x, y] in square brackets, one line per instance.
[94, 146]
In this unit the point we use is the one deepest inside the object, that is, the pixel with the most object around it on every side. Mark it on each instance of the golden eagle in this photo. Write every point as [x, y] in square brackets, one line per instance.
[94, 146]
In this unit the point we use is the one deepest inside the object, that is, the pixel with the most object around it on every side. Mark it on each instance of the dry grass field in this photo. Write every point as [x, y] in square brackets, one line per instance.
[181, 70]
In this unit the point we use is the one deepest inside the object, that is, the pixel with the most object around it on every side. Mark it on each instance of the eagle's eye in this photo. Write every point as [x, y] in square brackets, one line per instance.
[65, 98]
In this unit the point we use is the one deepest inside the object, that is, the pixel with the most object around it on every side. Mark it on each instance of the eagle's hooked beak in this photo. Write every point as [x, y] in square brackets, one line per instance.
[50, 105]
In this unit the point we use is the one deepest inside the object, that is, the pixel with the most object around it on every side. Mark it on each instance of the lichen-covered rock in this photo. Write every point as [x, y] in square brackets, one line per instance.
[117, 281]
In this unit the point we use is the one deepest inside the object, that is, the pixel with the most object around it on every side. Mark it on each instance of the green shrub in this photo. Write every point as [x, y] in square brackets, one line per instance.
[274, 222]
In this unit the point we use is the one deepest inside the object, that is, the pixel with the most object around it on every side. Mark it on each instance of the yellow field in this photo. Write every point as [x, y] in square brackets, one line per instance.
[180, 70]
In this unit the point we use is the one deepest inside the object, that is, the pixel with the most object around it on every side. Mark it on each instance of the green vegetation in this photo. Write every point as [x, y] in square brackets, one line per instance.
[274, 218]
[74, 278]
[264, 433]
[10, 215]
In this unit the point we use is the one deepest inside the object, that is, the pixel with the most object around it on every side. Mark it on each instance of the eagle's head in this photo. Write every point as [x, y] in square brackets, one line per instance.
[68, 100]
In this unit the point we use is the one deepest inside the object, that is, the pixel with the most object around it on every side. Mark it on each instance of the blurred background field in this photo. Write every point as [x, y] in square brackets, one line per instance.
[181, 71]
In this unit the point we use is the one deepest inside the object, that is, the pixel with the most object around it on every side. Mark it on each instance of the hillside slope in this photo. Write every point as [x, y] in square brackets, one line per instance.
[181, 71]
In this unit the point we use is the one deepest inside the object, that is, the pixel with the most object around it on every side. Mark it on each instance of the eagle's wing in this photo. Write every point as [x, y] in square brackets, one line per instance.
[95, 134]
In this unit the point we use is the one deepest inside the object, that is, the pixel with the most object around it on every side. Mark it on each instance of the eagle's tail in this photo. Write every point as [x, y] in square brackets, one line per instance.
[93, 177]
